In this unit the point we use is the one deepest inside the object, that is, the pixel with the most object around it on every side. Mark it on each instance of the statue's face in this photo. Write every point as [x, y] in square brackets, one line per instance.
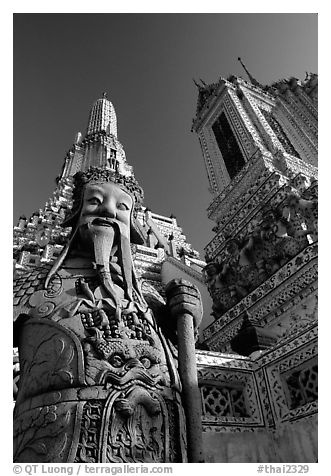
[103, 204]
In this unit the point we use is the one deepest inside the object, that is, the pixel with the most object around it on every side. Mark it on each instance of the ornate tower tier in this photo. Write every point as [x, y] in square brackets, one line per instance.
[239, 123]
[259, 145]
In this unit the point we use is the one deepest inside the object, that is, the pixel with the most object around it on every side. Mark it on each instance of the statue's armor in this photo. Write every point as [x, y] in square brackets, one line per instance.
[96, 385]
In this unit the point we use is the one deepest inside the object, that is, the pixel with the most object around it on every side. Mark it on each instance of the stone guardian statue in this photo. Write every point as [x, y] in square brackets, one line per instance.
[98, 375]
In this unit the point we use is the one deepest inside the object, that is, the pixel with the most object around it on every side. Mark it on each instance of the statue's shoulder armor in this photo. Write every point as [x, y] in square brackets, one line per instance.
[28, 282]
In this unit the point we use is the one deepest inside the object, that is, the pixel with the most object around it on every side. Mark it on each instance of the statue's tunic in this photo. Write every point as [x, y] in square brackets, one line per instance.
[96, 385]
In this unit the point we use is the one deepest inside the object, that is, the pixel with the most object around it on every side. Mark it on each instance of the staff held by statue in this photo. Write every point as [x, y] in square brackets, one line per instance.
[185, 305]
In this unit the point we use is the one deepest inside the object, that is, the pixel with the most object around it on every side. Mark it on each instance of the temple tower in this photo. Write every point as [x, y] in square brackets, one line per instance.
[259, 146]
[259, 378]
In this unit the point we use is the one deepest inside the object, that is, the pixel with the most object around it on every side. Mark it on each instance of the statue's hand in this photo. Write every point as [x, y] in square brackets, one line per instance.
[184, 298]
[95, 318]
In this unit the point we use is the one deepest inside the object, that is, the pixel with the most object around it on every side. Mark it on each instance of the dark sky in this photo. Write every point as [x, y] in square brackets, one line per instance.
[146, 62]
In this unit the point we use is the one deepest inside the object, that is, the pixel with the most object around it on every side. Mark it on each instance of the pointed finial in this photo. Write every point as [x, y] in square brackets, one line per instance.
[104, 95]
[197, 84]
[251, 78]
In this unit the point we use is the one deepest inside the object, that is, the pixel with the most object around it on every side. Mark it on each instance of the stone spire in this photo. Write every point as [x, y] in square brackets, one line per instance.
[102, 117]
[100, 146]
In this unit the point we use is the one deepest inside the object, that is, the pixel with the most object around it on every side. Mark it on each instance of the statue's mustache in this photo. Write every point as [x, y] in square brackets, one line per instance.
[103, 221]
[100, 221]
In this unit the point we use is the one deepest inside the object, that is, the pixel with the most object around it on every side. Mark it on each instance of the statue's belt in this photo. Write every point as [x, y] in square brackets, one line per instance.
[81, 394]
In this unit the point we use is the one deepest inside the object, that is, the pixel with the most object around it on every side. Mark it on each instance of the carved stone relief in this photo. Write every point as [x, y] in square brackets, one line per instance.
[280, 235]
[276, 296]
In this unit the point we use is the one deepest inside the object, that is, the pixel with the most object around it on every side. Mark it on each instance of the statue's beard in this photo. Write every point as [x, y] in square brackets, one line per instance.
[108, 239]
[100, 236]
[106, 242]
